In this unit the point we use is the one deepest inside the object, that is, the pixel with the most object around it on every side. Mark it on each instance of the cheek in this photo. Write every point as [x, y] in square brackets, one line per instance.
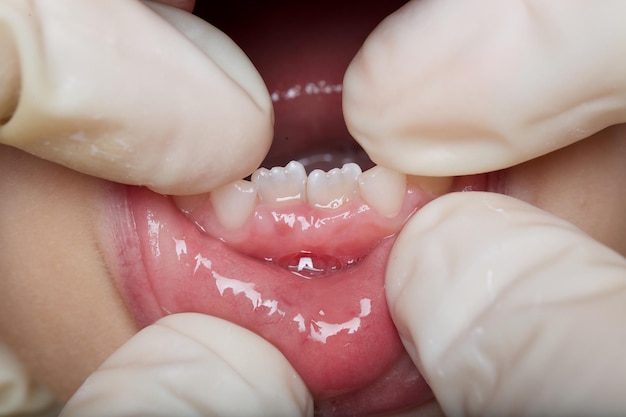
[583, 183]
[58, 308]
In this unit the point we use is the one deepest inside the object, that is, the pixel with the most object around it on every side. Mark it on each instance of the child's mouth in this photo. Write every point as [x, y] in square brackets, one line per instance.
[302, 265]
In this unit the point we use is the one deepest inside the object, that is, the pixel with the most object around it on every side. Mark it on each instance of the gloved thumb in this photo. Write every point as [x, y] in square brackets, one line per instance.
[193, 365]
[444, 87]
[115, 90]
[508, 310]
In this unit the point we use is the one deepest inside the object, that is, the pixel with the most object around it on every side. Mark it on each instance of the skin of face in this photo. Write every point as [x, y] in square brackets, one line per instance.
[60, 311]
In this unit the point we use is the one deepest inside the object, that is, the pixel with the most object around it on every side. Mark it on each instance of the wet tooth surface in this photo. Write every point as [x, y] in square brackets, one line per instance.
[233, 203]
[383, 189]
[281, 185]
[334, 188]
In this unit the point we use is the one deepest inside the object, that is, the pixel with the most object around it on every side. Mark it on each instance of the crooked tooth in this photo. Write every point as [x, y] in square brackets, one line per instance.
[233, 203]
[383, 189]
[334, 188]
[281, 185]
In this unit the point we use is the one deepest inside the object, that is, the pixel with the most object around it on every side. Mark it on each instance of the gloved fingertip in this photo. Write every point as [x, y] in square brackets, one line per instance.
[441, 88]
[508, 310]
[222, 50]
[191, 364]
[120, 93]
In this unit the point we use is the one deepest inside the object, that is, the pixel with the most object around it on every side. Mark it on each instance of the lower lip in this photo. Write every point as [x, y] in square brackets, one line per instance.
[337, 335]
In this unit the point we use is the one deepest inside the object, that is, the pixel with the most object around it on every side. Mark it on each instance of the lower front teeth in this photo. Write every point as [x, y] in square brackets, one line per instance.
[233, 203]
[383, 189]
[334, 188]
[281, 185]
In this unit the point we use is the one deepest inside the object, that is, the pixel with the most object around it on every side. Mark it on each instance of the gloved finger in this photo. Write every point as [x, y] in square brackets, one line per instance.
[113, 90]
[193, 365]
[508, 310]
[451, 88]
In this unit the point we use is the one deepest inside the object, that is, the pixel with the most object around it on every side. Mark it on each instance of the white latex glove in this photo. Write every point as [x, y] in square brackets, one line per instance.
[444, 87]
[193, 365]
[506, 309]
[111, 89]
[523, 316]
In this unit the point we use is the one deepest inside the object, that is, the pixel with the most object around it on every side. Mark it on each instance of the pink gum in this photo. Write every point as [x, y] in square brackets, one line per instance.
[272, 232]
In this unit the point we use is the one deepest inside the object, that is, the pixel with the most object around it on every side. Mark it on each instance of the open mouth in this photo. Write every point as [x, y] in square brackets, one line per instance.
[297, 253]
[302, 50]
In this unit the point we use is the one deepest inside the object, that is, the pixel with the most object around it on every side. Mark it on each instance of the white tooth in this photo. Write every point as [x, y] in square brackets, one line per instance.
[334, 188]
[233, 203]
[281, 185]
[383, 189]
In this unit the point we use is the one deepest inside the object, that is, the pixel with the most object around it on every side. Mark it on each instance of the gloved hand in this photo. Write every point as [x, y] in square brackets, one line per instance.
[110, 66]
[524, 316]
[449, 88]
[84, 85]
[506, 309]
[193, 365]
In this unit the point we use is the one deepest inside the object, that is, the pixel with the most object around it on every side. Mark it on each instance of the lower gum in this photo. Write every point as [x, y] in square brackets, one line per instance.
[275, 232]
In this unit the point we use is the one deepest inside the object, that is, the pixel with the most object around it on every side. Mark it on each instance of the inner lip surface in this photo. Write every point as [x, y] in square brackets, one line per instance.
[339, 334]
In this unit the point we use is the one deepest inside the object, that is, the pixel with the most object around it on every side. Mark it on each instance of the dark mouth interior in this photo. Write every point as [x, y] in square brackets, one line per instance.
[293, 43]
[321, 157]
